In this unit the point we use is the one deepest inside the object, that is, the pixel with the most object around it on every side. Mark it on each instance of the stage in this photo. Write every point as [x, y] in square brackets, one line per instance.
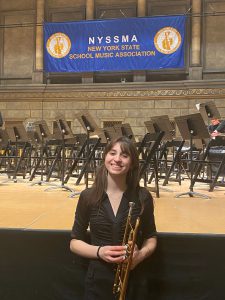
[24, 206]
[36, 262]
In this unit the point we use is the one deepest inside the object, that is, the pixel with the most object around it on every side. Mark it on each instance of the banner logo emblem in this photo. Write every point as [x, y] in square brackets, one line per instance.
[58, 45]
[167, 40]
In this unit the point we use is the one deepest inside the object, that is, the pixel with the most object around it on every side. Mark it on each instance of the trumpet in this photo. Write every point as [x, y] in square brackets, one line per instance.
[123, 269]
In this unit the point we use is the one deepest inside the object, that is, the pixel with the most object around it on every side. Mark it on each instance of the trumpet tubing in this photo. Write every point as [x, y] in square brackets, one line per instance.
[123, 269]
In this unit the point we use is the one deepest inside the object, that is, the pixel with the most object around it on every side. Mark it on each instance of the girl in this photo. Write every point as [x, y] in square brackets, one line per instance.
[104, 208]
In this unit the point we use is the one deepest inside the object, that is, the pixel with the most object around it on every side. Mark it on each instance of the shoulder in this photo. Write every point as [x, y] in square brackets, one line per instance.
[86, 196]
[221, 126]
[144, 194]
[146, 199]
[143, 197]
[87, 192]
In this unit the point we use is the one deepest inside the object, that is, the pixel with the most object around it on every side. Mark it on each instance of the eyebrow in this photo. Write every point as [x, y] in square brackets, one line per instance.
[122, 151]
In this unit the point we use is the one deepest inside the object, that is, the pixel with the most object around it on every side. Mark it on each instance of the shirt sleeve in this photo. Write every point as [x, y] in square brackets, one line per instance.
[148, 226]
[81, 220]
[221, 126]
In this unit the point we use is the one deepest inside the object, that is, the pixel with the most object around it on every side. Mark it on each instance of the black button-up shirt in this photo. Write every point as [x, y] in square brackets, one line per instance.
[105, 227]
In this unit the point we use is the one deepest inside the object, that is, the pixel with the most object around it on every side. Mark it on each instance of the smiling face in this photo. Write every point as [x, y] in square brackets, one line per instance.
[117, 162]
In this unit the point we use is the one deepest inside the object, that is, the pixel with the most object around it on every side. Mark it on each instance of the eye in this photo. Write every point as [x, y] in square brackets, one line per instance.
[112, 152]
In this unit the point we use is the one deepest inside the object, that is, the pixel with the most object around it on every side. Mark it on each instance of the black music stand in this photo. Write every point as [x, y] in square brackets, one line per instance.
[39, 136]
[192, 127]
[162, 123]
[104, 136]
[34, 137]
[1, 120]
[159, 124]
[111, 133]
[16, 131]
[90, 126]
[17, 135]
[4, 138]
[62, 132]
[125, 130]
[4, 141]
[208, 110]
[87, 121]
[150, 126]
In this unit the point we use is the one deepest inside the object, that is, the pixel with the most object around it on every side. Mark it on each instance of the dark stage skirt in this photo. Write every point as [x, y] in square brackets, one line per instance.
[100, 279]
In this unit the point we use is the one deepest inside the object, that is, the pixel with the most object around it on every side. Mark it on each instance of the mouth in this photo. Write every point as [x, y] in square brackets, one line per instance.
[116, 166]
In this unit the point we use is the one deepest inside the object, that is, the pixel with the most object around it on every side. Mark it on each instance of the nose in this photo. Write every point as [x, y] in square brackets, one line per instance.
[117, 157]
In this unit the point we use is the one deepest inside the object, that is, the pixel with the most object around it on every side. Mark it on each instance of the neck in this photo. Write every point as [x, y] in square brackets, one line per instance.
[116, 183]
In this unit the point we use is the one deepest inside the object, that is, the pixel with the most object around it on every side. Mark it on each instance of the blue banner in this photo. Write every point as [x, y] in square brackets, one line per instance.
[151, 43]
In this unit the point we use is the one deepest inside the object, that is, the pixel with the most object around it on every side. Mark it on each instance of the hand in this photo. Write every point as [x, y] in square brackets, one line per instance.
[112, 254]
[136, 257]
[214, 133]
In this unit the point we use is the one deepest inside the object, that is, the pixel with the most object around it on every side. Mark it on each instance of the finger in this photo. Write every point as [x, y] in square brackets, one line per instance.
[117, 253]
[115, 259]
[118, 259]
[118, 248]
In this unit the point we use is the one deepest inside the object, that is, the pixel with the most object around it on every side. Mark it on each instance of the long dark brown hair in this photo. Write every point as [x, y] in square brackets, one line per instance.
[132, 179]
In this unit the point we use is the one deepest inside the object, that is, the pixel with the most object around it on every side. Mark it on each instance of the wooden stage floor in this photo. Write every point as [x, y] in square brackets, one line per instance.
[32, 207]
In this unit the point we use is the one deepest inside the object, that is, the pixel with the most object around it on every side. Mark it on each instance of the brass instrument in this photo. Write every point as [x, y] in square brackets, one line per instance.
[123, 269]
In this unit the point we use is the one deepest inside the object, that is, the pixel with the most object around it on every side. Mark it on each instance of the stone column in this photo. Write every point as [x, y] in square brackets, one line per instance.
[140, 76]
[88, 77]
[195, 71]
[141, 8]
[89, 9]
[38, 72]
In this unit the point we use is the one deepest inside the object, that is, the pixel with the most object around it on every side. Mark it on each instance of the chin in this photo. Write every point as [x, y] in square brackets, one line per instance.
[117, 172]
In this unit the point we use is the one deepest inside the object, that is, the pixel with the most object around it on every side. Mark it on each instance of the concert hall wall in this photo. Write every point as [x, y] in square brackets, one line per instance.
[28, 93]
[38, 265]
